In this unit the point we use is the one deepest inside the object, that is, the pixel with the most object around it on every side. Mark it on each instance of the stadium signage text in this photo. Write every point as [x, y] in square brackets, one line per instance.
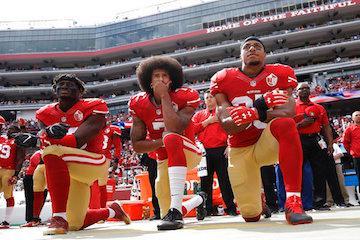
[282, 16]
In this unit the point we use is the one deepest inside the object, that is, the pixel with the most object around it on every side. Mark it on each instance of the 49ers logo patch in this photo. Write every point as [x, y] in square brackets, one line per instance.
[78, 116]
[271, 80]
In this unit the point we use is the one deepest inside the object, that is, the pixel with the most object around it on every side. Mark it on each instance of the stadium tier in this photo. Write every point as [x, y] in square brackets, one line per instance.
[317, 38]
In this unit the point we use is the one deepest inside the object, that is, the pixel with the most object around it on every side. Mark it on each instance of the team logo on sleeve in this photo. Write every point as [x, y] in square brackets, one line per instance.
[78, 116]
[271, 80]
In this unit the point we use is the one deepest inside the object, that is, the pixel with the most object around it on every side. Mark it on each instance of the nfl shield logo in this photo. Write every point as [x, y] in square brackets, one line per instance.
[271, 80]
[253, 83]
[63, 119]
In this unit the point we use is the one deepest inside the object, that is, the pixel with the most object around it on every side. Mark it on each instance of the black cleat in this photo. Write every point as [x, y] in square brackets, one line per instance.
[173, 220]
[294, 212]
[201, 209]
[4, 225]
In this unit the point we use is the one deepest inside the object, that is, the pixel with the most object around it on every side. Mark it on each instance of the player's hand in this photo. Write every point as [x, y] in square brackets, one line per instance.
[57, 130]
[160, 88]
[12, 180]
[26, 140]
[242, 115]
[210, 120]
[312, 112]
[276, 98]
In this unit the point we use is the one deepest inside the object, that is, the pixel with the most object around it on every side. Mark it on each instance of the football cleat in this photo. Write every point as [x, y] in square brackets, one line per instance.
[266, 212]
[120, 214]
[4, 225]
[294, 211]
[33, 223]
[58, 225]
[172, 220]
[201, 209]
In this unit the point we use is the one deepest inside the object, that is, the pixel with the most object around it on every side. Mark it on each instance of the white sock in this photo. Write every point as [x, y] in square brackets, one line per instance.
[193, 203]
[289, 194]
[8, 213]
[61, 214]
[177, 177]
[111, 213]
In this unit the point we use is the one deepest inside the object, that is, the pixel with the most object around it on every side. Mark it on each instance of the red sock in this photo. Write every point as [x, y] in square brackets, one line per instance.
[95, 215]
[94, 196]
[38, 203]
[290, 152]
[58, 182]
[10, 202]
[103, 196]
[184, 211]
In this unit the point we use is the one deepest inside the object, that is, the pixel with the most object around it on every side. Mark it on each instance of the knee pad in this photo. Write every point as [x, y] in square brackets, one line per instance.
[10, 202]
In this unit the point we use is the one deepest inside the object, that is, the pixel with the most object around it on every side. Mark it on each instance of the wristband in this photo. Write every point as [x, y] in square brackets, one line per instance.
[262, 108]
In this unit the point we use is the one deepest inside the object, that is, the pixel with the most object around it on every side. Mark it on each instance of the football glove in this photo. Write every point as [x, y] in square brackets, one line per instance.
[270, 100]
[26, 140]
[57, 130]
[242, 115]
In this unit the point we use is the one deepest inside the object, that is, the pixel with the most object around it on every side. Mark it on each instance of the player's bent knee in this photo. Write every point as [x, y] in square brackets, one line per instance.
[284, 123]
[279, 124]
[52, 150]
[252, 219]
[250, 212]
[174, 145]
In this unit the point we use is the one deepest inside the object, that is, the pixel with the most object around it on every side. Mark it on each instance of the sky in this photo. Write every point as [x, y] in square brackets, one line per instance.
[84, 12]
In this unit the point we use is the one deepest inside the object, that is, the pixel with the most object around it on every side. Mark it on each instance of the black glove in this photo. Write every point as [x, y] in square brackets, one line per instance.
[57, 130]
[26, 140]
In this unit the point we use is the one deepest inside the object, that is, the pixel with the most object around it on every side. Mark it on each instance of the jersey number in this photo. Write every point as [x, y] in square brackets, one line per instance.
[4, 151]
[158, 125]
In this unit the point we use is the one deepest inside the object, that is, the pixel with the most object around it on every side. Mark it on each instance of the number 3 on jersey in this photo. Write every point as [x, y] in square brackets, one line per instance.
[246, 100]
[158, 125]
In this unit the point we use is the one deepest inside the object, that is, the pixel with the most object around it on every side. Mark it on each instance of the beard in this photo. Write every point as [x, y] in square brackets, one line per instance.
[254, 63]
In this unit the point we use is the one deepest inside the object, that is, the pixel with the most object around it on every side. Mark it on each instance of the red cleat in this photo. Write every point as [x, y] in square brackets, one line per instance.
[58, 225]
[120, 214]
[294, 211]
[31, 224]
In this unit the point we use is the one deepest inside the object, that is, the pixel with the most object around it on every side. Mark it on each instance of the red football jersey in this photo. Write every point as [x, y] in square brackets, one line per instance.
[142, 107]
[75, 116]
[110, 140]
[34, 161]
[7, 153]
[243, 90]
